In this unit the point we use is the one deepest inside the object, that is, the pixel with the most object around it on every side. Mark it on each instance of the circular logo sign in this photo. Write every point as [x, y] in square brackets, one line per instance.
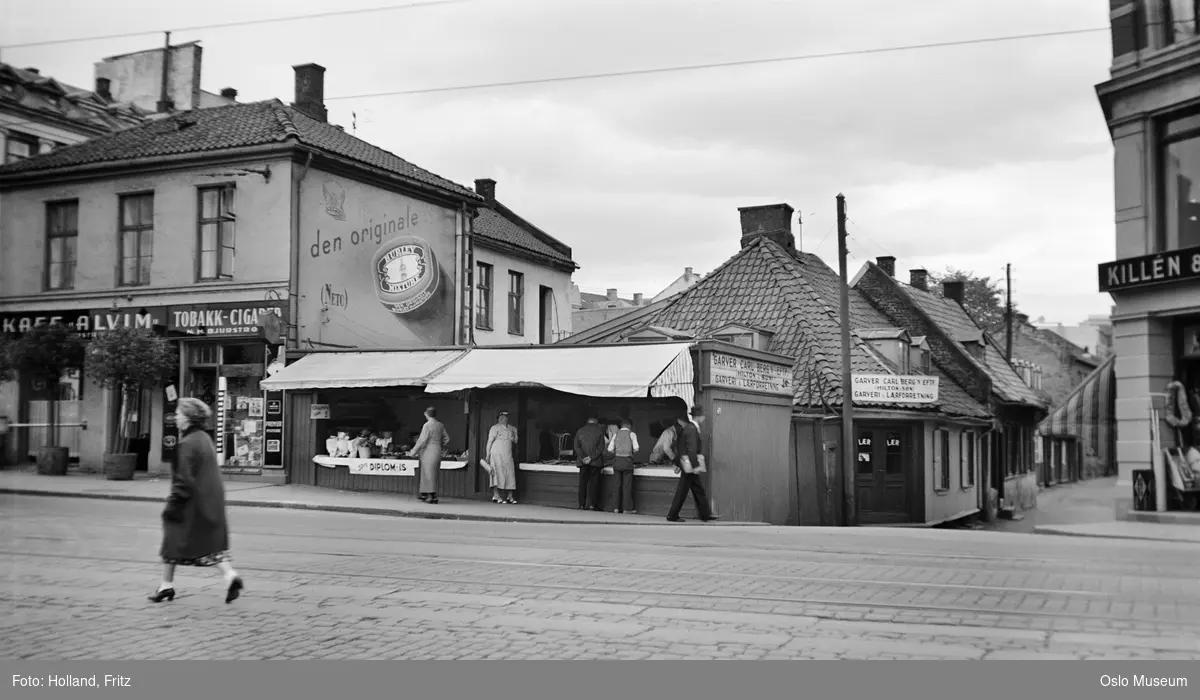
[169, 441]
[407, 274]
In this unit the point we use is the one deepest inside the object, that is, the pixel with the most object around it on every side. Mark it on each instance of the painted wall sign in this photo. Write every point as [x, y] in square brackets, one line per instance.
[747, 374]
[224, 320]
[1149, 270]
[85, 321]
[273, 430]
[376, 268]
[891, 388]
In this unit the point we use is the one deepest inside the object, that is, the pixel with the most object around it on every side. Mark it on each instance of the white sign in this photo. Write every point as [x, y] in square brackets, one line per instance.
[318, 411]
[753, 375]
[381, 467]
[891, 388]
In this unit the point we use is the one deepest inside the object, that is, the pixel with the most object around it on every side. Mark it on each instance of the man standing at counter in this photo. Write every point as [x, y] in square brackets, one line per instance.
[589, 455]
[689, 447]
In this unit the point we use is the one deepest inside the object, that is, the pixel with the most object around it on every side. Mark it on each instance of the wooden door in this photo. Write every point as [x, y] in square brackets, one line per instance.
[749, 465]
[882, 462]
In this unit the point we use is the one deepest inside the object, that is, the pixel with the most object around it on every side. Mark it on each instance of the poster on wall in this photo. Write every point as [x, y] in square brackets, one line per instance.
[170, 431]
[273, 433]
[377, 269]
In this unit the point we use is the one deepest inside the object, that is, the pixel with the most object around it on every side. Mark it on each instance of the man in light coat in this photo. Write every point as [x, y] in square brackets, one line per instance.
[429, 450]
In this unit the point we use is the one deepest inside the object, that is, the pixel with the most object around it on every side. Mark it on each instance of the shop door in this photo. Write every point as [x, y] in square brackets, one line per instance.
[881, 469]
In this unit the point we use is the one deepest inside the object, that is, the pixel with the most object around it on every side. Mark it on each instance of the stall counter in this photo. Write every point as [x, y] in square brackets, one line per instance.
[379, 466]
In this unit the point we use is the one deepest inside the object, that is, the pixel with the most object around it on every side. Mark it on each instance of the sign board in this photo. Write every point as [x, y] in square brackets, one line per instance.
[273, 430]
[86, 322]
[318, 411]
[749, 375]
[892, 388]
[223, 320]
[1150, 270]
[170, 431]
[377, 268]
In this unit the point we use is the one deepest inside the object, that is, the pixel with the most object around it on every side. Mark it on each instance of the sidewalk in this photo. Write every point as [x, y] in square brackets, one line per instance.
[1126, 530]
[77, 485]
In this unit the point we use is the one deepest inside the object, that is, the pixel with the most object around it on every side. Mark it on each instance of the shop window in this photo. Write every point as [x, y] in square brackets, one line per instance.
[203, 354]
[967, 446]
[1179, 19]
[894, 454]
[388, 422]
[941, 458]
[862, 460]
[1180, 183]
[483, 296]
[216, 232]
[19, 147]
[62, 238]
[516, 303]
[136, 238]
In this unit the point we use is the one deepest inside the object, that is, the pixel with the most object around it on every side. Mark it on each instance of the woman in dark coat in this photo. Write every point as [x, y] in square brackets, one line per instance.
[194, 525]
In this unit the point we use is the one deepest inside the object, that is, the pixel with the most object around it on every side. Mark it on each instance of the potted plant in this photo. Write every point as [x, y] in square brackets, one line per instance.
[43, 354]
[129, 360]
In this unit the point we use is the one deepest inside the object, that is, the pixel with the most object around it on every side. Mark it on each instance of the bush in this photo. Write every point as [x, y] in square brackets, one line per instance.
[129, 360]
[43, 353]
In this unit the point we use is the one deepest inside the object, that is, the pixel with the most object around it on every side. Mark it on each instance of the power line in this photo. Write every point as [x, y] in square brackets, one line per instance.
[723, 64]
[243, 23]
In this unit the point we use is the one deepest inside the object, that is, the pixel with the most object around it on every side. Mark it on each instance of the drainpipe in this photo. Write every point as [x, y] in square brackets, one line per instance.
[460, 295]
[294, 281]
[470, 230]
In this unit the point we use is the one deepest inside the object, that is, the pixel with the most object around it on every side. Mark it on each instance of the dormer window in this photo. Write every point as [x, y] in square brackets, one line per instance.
[744, 336]
[892, 343]
[920, 359]
[658, 334]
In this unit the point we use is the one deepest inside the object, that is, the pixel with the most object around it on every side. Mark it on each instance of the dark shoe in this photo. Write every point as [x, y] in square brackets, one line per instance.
[235, 590]
[165, 594]
[422, 497]
[711, 518]
[676, 520]
[432, 501]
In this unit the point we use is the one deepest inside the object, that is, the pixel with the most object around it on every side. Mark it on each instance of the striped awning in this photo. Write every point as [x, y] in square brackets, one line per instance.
[1088, 411]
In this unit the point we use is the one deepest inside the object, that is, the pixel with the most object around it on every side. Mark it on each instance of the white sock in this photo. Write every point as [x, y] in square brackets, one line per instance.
[230, 575]
[165, 585]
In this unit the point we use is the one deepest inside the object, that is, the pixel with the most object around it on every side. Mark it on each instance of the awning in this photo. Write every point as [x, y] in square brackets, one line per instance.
[1088, 411]
[616, 371]
[352, 370]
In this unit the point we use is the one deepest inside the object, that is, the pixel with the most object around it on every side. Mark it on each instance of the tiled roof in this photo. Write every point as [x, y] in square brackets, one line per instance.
[48, 96]
[764, 285]
[494, 225]
[957, 323]
[229, 127]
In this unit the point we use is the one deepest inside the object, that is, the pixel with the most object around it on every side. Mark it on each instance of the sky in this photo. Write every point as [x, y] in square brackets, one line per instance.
[967, 156]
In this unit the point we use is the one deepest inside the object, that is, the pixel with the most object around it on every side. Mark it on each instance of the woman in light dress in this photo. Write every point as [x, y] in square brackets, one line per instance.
[502, 440]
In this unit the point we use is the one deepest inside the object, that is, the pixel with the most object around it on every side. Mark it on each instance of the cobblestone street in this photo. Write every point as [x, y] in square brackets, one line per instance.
[332, 585]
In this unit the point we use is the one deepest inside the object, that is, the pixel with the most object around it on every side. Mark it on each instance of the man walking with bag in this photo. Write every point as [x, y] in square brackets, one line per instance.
[689, 464]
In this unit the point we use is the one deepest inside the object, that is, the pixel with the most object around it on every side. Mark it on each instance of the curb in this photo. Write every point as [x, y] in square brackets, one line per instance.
[362, 510]
[1047, 530]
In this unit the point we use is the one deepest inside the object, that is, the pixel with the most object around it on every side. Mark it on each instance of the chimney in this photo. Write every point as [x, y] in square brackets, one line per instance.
[919, 279]
[612, 295]
[954, 290]
[887, 263]
[229, 93]
[486, 188]
[687, 272]
[771, 220]
[104, 89]
[310, 91]
[637, 299]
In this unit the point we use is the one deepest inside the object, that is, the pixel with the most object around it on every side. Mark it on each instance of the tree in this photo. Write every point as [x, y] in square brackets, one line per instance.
[43, 354]
[129, 360]
[983, 298]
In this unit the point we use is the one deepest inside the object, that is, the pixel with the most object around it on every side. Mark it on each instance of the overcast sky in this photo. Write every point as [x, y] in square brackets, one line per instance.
[971, 156]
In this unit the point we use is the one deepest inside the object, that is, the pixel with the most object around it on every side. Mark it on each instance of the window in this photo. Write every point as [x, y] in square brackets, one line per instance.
[1126, 30]
[137, 238]
[18, 147]
[62, 236]
[941, 458]
[1180, 186]
[516, 303]
[483, 296]
[966, 459]
[745, 340]
[216, 232]
[1179, 18]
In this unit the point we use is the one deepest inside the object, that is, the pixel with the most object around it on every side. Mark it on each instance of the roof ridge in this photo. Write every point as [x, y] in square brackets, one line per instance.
[285, 120]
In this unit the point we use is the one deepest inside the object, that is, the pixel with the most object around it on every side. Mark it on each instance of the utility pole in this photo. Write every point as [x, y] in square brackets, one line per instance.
[847, 380]
[1008, 314]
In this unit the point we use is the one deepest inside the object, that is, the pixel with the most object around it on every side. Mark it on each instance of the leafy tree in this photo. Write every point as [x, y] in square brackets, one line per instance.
[983, 298]
[129, 360]
[43, 354]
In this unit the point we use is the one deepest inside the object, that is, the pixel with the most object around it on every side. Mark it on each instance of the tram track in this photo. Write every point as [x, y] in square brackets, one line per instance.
[834, 605]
